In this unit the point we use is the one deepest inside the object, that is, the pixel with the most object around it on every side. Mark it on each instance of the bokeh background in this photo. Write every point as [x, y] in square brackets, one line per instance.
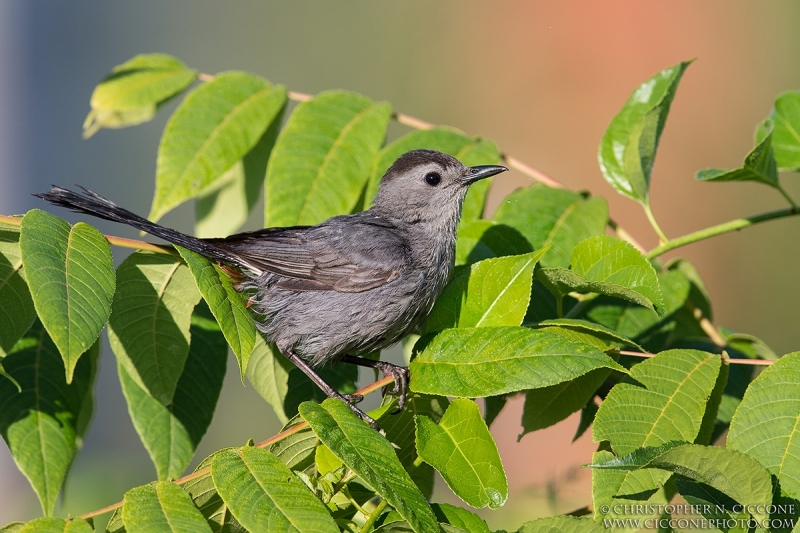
[543, 79]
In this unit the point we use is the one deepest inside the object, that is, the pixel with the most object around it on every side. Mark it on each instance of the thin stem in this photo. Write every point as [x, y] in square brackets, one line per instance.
[752, 362]
[713, 231]
[388, 380]
[788, 198]
[373, 516]
[653, 222]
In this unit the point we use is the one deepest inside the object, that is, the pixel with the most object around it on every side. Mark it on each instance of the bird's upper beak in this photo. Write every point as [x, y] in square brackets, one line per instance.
[480, 172]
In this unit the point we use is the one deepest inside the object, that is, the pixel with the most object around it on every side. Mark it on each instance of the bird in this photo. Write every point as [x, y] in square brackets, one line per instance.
[346, 287]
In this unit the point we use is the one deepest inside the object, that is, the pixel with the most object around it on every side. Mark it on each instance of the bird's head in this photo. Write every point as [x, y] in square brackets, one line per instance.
[427, 186]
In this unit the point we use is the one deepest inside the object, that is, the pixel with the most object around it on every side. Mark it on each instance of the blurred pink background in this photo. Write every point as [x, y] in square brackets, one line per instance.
[543, 79]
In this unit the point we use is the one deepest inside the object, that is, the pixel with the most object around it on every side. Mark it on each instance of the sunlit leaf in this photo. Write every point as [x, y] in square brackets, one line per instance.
[477, 362]
[149, 326]
[561, 524]
[53, 525]
[628, 148]
[463, 451]
[213, 128]
[786, 135]
[41, 422]
[264, 495]
[205, 497]
[759, 165]
[368, 454]
[460, 517]
[268, 372]
[133, 91]
[71, 277]
[322, 158]
[161, 507]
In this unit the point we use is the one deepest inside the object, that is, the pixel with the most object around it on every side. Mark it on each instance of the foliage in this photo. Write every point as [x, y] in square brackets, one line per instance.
[542, 303]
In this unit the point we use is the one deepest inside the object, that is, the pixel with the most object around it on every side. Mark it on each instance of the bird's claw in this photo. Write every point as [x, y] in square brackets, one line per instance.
[401, 378]
[353, 398]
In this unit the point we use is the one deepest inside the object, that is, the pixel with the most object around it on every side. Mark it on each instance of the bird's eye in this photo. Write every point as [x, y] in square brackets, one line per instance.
[433, 178]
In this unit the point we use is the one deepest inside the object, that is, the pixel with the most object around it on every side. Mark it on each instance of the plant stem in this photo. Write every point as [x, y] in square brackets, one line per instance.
[653, 222]
[713, 231]
[373, 516]
[788, 198]
[753, 362]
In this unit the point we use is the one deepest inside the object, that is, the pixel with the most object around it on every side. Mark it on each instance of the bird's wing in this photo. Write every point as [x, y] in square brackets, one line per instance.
[346, 254]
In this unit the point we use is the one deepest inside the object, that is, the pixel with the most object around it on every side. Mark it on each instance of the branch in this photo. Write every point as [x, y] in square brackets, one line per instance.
[752, 362]
[369, 389]
[727, 227]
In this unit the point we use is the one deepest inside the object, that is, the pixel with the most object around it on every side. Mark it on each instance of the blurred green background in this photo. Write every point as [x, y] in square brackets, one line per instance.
[543, 79]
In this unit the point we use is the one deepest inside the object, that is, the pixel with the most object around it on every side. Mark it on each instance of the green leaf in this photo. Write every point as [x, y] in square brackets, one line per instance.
[561, 524]
[561, 282]
[592, 328]
[399, 430]
[149, 326]
[226, 303]
[460, 517]
[301, 388]
[213, 128]
[463, 451]
[268, 372]
[368, 454]
[71, 277]
[484, 239]
[321, 161]
[161, 507]
[662, 399]
[12, 527]
[557, 218]
[730, 472]
[224, 207]
[298, 450]
[171, 434]
[628, 148]
[759, 165]
[786, 135]
[41, 423]
[610, 260]
[492, 292]
[55, 525]
[264, 495]
[470, 151]
[550, 405]
[133, 91]
[17, 312]
[205, 497]
[477, 362]
[765, 425]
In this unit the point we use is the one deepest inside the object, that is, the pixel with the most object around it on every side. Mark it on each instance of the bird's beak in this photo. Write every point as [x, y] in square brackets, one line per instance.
[480, 172]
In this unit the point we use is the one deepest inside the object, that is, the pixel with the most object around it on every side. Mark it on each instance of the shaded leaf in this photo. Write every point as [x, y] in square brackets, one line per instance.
[460, 517]
[470, 151]
[213, 128]
[786, 134]
[160, 507]
[628, 148]
[171, 434]
[765, 425]
[557, 218]
[268, 372]
[226, 303]
[17, 312]
[223, 207]
[341, 377]
[550, 405]
[41, 423]
[759, 165]
[149, 326]
[588, 412]
[477, 362]
[298, 450]
[484, 239]
[55, 525]
[322, 158]
[492, 292]
[205, 497]
[71, 277]
[662, 399]
[610, 260]
[133, 91]
[264, 495]
[371, 457]
[591, 328]
[494, 405]
[463, 451]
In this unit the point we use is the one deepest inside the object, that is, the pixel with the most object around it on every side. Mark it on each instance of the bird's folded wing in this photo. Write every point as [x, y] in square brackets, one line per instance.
[352, 257]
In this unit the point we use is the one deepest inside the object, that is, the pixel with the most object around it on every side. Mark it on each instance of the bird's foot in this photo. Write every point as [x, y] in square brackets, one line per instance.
[350, 400]
[353, 398]
[400, 388]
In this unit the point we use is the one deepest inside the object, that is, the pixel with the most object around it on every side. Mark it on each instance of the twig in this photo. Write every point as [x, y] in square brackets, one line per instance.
[753, 362]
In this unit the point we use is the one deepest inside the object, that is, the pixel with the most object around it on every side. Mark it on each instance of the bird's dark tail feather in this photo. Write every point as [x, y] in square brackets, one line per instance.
[93, 204]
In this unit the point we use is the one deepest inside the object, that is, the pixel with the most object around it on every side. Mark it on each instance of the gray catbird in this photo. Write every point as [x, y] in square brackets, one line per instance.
[350, 285]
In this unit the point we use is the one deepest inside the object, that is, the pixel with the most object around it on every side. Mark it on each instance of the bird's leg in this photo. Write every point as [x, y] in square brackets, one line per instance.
[327, 389]
[399, 373]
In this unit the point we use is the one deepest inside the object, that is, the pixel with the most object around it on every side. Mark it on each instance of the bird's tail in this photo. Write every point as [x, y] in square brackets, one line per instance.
[93, 204]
